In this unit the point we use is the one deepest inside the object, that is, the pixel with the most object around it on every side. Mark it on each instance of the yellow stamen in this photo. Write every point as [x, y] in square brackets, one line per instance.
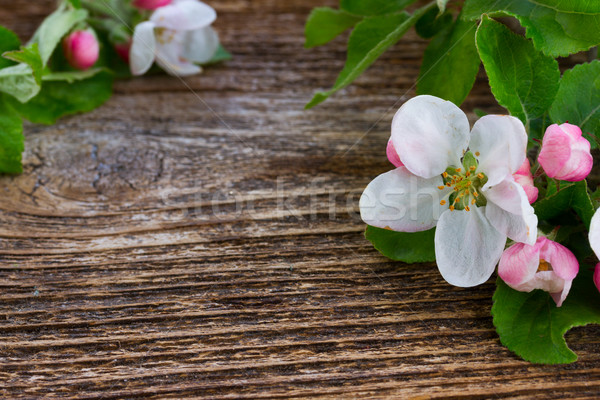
[477, 153]
[480, 175]
[475, 194]
[441, 187]
[442, 202]
[451, 208]
[468, 174]
[458, 169]
[467, 208]
[473, 168]
[544, 265]
[445, 174]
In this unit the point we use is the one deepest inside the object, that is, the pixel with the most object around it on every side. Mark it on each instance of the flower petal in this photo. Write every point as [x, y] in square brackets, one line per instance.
[467, 247]
[184, 15]
[499, 142]
[169, 51]
[392, 154]
[555, 151]
[563, 261]
[597, 276]
[429, 135]
[519, 264]
[143, 46]
[594, 235]
[509, 211]
[200, 45]
[403, 202]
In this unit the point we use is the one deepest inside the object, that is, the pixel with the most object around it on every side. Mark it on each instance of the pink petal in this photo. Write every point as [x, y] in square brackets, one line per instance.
[563, 261]
[524, 178]
[519, 263]
[565, 154]
[392, 154]
[81, 49]
[150, 4]
[597, 276]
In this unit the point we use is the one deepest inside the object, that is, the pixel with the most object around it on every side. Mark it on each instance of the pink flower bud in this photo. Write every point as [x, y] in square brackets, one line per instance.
[392, 155]
[122, 50]
[565, 154]
[597, 276]
[524, 178]
[546, 265]
[81, 49]
[150, 4]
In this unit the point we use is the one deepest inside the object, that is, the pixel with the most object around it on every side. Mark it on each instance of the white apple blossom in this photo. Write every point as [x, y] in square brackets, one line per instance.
[471, 196]
[177, 36]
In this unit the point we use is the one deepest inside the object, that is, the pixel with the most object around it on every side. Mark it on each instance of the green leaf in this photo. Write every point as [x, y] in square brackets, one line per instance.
[450, 63]
[59, 98]
[374, 7]
[570, 195]
[531, 325]
[325, 23]
[8, 42]
[556, 31]
[370, 39]
[75, 3]
[72, 76]
[19, 81]
[12, 142]
[28, 55]
[403, 246]
[432, 23]
[54, 27]
[523, 80]
[578, 98]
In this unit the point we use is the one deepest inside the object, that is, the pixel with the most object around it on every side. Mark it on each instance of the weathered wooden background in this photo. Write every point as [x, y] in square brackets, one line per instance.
[199, 238]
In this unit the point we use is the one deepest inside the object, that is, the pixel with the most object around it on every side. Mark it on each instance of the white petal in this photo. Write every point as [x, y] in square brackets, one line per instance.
[467, 247]
[184, 15]
[509, 211]
[169, 51]
[594, 235]
[201, 45]
[143, 46]
[430, 134]
[403, 202]
[499, 142]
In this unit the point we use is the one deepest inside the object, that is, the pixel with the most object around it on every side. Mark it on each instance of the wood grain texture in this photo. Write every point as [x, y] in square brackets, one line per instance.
[200, 239]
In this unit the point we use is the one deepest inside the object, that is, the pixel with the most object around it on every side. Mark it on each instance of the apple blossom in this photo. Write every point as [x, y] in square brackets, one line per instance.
[546, 265]
[177, 36]
[524, 178]
[594, 238]
[392, 154]
[474, 202]
[150, 4]
[565, 154]
[81, 49]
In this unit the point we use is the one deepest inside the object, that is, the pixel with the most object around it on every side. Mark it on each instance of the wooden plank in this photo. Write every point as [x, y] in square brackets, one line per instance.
[199, 238]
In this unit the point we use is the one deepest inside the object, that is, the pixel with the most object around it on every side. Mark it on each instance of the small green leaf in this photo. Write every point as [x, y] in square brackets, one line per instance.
[432, 23]
[450, 63]
[374, 7]
[54, 27]
[28, 55]
[12, 142]
[19, 81]
[370, 39]
[8, 42]
[72, 76]
[571, 195]
[582, 203]
[75, 3]
[523, 80]
[59, 98]
[531, 325]
[578, 98]
[402, 246]
[324, 24]
[556, 31]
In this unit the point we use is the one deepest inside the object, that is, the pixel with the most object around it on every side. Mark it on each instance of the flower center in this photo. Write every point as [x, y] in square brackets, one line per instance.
[544, 266]
[467, 184]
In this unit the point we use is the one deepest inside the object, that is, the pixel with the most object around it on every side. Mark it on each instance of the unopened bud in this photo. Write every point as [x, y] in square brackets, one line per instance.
[81, 49]
[150, 4]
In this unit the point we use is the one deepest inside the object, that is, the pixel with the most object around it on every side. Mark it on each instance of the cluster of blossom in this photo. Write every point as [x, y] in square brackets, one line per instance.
[476, 187]
[177, 35]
